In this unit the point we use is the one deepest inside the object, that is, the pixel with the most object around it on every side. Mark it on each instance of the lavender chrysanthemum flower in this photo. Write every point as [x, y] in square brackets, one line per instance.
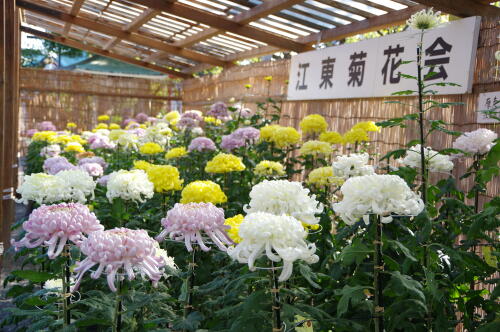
[218, 110]
[100, 142]
[54, 165]
[141, 117]
[46, 126]
[97, 160]
[137, 131]
[127, 121]
[189, 119]
[117, 249]
[202, 144]
[54, 225]
[52, 150]
[31, 132]
[249, 134]
[187, 221]
[92, 169]
[103, 180]
[230, 142]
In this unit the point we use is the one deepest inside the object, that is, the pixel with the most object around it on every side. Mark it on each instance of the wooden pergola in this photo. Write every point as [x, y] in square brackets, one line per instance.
[181, 37]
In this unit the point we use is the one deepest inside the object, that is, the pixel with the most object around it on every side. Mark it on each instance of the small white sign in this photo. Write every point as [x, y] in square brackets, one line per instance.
[372, 68]
[487, 102]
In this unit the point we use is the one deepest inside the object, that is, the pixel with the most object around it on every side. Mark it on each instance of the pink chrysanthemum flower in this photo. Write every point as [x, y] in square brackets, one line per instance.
[31, 132]
[91, 160]
[230, 142]
[120, 248]
[141, 117]
[218, 110]
[46, 126]
[54, 225]
[202, 144]
[186, 221]
[248, 134]
[92, 169]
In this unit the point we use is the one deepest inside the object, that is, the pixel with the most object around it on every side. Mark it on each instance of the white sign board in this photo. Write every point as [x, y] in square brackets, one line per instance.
[371, 68]
[488, 101]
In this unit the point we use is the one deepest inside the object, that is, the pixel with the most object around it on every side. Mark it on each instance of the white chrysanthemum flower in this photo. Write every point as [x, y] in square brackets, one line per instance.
[279, 237]
[52, 150]
[86, 134]
[129, 185]
[355, 164]
[169, 260]
[424, 19]
[284, 197]
[376, 194]
[436, 162]
[102, 132]
[78, 185]
[66, 186]
[479, 141]
[128, 140]
[158, 133]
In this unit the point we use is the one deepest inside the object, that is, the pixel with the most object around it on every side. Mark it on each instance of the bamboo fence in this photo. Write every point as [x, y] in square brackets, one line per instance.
[67, 96]
[342, 114]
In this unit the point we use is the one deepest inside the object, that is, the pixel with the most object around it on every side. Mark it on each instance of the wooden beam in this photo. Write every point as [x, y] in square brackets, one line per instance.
[253, 14]
[133, 26]
[95, 50]
[95, 93]
[379, 22]
[396, 17]
[75, 9]
[462, 8]
[112, 31]
[222, 23]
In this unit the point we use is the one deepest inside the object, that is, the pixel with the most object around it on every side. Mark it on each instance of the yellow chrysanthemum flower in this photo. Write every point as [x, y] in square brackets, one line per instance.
[164, 178]
[141, 164]
[103, 118]
[71, 125]
[285, 136]
[212, 120]
[150, 148]
[101, 126]
[268, 78]
[203, 192]
[224, 163]
[234, 223]
[78, 139]
[115, 134]
[74, 147]
[313, 123]
[323, 176]
[248, 86]
[62, 139]
[173, 115]
[367, 126]
[47, 136]
[176, 153]
[114, 126]
[269, 168]
[267, 132]
[331, 137]
[356, 136]
[314, 148]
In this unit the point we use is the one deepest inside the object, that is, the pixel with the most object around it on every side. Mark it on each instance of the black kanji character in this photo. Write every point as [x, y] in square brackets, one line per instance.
[393, 64]
[302, 85]
[439, 47]
[357, 68]
[327, 73]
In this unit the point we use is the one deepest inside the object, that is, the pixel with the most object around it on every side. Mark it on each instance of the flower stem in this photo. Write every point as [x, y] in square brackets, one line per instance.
[423, 168]
[378, 267]
[277, 324]
[117, 320]
[189, 285]
[66, 286]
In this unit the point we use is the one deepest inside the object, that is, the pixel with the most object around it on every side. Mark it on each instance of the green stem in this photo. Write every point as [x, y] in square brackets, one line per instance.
[66, 286]
[276, 308]
[423, 168]
[378, 267]
[117, 319]
[189, 285]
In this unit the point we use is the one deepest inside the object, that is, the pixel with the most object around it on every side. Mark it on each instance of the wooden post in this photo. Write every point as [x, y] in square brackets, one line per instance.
[9, 114]
[2, 97]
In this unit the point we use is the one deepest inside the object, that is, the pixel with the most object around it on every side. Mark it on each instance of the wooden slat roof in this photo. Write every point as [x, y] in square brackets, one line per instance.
[182, 35]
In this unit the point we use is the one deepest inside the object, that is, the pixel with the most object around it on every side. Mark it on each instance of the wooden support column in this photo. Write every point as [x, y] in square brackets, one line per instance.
[2, 140]
[9, 115]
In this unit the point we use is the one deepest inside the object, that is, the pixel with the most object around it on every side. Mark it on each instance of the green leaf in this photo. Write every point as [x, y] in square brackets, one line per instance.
[356, 252]
[353, 295]
[403, 93]
[404, 284]
[34, 276]
[398, 245]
